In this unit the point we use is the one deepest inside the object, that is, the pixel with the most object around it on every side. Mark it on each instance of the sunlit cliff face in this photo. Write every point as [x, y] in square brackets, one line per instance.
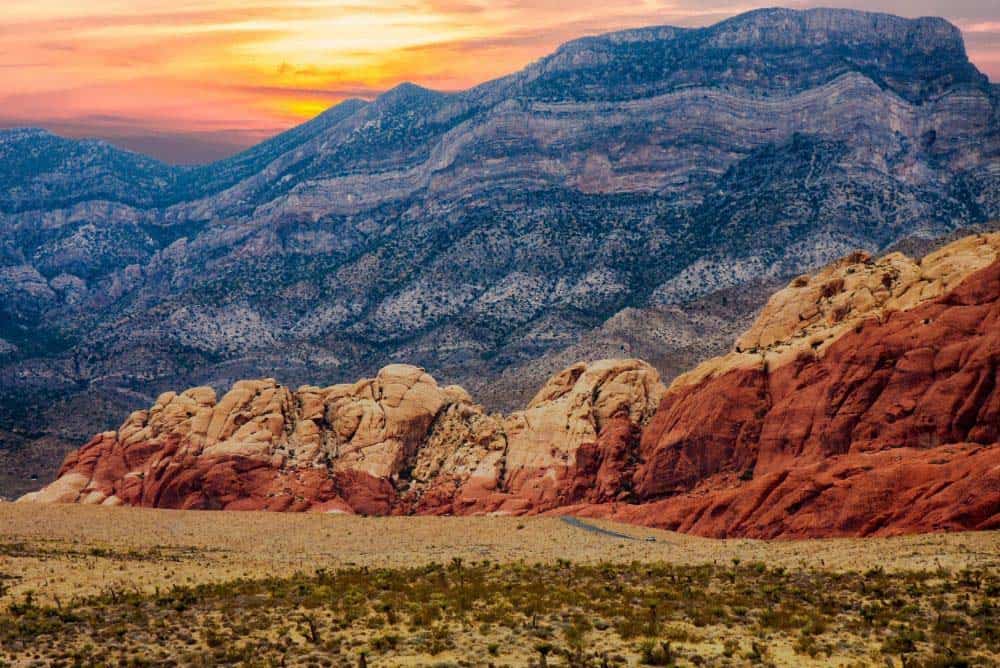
[190, 81]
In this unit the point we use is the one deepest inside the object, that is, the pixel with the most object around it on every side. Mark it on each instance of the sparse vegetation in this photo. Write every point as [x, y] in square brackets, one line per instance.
[539, 614]
[96, 586]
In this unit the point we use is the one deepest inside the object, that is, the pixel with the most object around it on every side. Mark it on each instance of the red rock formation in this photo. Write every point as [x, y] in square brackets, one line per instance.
[897, 491]
[397, 443]
[153, 477]
[850, 442]
[865, 400]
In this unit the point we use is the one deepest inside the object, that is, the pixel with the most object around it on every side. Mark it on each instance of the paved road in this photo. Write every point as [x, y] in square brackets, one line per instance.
[587, 526]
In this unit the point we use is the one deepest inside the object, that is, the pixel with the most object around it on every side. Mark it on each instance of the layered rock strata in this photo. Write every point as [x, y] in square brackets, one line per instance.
[863, 400]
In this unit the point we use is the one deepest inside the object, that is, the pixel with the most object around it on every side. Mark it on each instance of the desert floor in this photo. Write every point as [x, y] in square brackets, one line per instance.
[757, 602]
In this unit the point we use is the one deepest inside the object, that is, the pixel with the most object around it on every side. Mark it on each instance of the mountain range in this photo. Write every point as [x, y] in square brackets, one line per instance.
[863, 401]
[639, 193]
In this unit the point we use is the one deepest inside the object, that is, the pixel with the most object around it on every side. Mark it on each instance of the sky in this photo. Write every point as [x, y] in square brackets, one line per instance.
[190, 81]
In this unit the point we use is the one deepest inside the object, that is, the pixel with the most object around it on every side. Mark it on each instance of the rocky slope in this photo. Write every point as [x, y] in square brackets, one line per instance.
[864, 400]
[477, 232]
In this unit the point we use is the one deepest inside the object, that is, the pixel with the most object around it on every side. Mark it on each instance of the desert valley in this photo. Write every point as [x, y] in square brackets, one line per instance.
[677, 347]
[125, 586]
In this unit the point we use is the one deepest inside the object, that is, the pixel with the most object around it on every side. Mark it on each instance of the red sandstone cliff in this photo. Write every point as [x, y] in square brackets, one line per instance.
[864, 400]
[882, 415]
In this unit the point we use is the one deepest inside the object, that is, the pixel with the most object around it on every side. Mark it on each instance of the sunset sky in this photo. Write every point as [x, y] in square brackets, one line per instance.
[191, 81]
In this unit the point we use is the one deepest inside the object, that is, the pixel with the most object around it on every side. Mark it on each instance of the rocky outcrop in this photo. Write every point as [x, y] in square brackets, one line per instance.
[533, 460]
[728, 414]
[261, 446]
[394, 443]
[838, 404]
[816, 310]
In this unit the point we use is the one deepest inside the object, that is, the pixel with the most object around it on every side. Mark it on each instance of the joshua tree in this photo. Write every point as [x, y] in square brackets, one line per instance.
[543, 651]
[312, 633]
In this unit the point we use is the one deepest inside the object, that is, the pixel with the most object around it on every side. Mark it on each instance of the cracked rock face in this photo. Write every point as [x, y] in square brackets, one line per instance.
[812, 313]
[525, 462]
[871, 405]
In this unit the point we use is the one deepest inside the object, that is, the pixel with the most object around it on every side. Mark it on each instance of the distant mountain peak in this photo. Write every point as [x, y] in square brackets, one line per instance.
[404, 95]
[351, 103]
[779, 27]
[785, 28]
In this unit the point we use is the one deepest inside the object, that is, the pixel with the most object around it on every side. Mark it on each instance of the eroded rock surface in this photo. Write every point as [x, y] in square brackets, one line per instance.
[864, 400]
[855, 379]
[529, 461]
[387, 444]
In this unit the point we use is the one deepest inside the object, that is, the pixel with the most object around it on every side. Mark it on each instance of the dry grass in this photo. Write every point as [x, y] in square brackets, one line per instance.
[147, 587]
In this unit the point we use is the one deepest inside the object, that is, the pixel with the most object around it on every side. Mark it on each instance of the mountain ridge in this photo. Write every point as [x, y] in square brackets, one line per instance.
[764, 28]
[483, 234]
